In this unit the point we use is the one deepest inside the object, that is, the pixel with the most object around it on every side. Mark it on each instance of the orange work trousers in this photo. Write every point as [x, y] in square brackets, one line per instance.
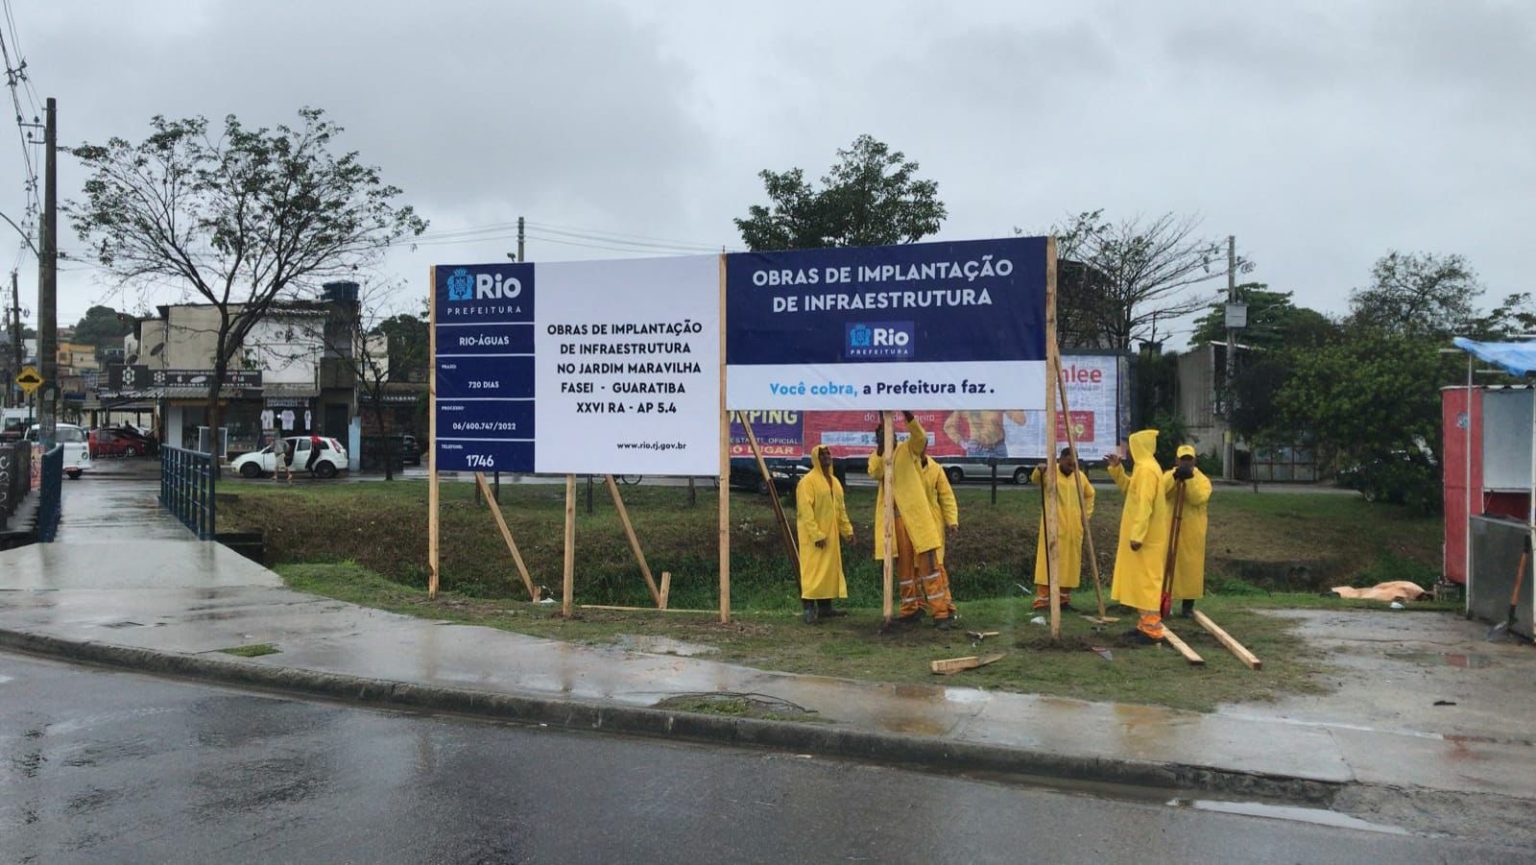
[920, 587]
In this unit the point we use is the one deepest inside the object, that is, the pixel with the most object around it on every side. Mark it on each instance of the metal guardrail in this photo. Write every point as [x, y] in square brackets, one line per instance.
[15, 477]
[186, 488]
[50, 505]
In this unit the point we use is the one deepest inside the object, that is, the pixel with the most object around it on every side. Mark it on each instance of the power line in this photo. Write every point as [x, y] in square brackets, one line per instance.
[567, 229]
[567, 235]
[16, 74]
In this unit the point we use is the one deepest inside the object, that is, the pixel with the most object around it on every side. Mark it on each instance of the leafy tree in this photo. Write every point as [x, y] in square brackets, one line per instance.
[871, 197]
[408, 346]
[241, 218]
[1274, 321]
[1514, 317]
[1371, 403]
[1418, 294]
[101, 325]
[1136, 272]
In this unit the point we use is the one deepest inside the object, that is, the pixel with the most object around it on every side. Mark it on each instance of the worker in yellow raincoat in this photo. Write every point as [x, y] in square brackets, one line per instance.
[1070, 533]
[1144, 523]
[820, 518]
[916, 532]
[1189, 566]
[946, 513]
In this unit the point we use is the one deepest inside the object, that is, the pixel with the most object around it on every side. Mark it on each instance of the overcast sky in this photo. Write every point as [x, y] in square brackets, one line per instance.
[1321, 134]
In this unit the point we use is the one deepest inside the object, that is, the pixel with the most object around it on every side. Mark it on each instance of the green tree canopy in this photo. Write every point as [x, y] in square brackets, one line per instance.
[1274, 321]
[408, 345]
[871, 197]
[102, 325]
[1418, 294]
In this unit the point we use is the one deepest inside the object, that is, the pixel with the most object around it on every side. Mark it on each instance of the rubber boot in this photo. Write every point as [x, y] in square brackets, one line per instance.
[1187, 610]
[825, 610]
[808, 613]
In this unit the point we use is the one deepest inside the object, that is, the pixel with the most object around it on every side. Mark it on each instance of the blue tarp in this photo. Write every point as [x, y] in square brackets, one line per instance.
[1517, 358]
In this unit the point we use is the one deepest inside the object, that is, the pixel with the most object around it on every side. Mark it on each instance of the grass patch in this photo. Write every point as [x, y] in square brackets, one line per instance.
[774, 639]
[255, 650]
[1258, 543]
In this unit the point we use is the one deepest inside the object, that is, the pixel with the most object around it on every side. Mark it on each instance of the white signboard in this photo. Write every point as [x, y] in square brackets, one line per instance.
[627, 367]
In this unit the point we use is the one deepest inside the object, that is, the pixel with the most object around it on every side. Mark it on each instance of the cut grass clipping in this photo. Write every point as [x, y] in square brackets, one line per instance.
[255, 650]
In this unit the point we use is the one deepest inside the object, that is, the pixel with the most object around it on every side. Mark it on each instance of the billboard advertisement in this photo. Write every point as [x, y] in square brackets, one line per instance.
[780, 434]
[1092, 390]
[953, 325]
[596, 367]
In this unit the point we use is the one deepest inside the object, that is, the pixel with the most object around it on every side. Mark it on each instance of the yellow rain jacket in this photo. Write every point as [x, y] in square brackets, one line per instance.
[1071, 531]
[1189, 568]
[941, 500]
[1139, 573]
[911, 497]
[820, 515]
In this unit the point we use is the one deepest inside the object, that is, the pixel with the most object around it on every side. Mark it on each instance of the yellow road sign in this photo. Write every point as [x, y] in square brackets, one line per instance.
[29, 379]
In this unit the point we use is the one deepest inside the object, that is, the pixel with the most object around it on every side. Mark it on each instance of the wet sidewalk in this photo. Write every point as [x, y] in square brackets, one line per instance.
[194, 598]
[132, 588]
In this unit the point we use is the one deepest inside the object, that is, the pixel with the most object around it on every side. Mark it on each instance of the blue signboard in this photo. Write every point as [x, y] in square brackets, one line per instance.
[957, 325]
[484, 367]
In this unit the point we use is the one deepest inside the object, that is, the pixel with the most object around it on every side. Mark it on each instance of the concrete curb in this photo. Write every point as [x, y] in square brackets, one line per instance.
[824, 740]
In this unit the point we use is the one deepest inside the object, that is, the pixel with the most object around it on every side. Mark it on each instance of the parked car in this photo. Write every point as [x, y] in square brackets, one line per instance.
[402, 449]
[121, 442]
[981, 470]
[745, 475]
[77, 449]
[333, 458]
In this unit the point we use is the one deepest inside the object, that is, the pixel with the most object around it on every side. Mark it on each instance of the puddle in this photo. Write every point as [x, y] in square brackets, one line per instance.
[1445, 659]
[661, 646]
[1315, 816]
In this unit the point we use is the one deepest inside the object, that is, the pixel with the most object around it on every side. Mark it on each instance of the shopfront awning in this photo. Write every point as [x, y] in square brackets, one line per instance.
[1515, 358]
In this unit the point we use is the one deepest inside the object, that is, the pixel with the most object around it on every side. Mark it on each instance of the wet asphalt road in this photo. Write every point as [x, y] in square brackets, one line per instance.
[101, 766]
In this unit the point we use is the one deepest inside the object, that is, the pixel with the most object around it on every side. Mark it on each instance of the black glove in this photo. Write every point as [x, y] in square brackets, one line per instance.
[1184, 473]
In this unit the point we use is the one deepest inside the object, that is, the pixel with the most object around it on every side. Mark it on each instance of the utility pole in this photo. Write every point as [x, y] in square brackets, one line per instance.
[47, 281]
[16, 346]
[1229, 449]
[520, 239]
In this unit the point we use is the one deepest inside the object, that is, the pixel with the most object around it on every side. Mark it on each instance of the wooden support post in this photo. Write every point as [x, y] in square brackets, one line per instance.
[432, 491]
[568, 578]
[1183, 648]
[1082, 507]
[634, 542]
[506, 535]
[785, 531]
[1227, 640]
[723, 418]
[1052, 514]
[666, 588]
[889, 516]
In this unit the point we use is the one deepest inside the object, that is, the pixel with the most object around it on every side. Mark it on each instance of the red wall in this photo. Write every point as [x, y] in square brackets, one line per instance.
[1454, 422]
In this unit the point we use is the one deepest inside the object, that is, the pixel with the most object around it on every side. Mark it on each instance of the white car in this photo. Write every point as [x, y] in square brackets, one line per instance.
[77, 448]
[333, 458]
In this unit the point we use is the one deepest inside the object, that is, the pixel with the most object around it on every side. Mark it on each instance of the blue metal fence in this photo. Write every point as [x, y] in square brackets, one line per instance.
[50, 492]
[186, 488]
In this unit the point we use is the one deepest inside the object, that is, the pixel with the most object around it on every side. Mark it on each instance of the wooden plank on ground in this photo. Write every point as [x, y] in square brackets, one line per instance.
[1229, 641]
[619, 609]
[1189, 654]
[950, 666]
